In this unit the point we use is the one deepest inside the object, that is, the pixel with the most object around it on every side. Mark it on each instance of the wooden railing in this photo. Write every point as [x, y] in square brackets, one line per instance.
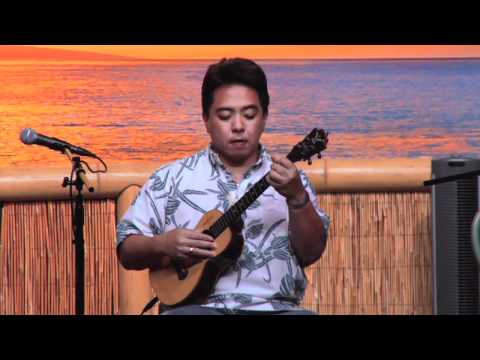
[377, 261]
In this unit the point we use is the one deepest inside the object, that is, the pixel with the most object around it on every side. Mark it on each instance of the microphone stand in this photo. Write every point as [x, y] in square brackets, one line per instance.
[78, 221]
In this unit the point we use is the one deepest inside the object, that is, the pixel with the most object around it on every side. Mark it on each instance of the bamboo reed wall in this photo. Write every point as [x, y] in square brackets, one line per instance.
[377, 260]
[38, 258]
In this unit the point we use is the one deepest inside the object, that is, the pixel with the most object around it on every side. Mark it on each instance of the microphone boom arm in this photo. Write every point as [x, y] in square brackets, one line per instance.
[79, 170]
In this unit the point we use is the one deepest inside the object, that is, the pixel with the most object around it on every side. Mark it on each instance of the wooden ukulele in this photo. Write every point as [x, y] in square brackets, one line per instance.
[181, 284]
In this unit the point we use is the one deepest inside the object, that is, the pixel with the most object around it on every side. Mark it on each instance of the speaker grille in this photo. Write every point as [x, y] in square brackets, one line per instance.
[455, 267]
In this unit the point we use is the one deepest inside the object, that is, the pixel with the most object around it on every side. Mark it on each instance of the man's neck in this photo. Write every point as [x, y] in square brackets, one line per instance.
[238, 170]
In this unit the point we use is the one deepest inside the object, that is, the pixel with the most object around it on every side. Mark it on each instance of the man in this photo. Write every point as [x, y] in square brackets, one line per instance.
[284, 229]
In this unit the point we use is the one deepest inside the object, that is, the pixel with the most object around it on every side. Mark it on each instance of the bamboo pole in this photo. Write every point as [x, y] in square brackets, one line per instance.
[328, 176]
[134, 286]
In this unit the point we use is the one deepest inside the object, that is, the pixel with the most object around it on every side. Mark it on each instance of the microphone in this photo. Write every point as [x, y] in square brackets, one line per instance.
[29, 136]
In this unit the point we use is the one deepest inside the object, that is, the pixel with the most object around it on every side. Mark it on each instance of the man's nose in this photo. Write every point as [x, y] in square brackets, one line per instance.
[238, 124]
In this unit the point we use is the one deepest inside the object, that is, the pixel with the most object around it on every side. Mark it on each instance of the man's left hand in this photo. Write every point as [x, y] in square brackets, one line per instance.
[284, 177]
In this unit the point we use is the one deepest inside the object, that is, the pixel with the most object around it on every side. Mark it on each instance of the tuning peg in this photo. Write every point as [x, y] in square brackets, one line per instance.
[319, 155]
[309, 161]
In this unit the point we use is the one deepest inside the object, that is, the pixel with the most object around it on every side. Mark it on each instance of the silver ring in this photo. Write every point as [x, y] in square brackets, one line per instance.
[190, 251]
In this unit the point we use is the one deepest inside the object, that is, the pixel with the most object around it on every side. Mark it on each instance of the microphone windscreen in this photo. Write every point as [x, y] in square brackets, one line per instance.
[28, 136]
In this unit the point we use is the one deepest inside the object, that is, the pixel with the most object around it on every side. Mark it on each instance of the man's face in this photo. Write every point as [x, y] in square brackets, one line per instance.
[235, 124]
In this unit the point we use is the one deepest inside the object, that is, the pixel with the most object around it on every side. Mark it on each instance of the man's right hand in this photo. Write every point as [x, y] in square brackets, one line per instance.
[138, 252]
[182, 244]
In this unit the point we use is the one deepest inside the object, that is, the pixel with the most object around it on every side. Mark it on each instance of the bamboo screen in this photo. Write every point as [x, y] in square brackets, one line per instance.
[37, 274]
[377, 260]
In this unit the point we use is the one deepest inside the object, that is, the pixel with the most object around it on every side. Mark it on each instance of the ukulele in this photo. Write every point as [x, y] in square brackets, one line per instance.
[181, 283]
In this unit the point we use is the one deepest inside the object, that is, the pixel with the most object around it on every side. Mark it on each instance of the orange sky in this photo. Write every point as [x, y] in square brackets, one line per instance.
[278, 51]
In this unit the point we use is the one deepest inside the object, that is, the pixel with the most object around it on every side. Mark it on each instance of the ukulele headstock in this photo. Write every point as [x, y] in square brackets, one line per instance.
[314, 143]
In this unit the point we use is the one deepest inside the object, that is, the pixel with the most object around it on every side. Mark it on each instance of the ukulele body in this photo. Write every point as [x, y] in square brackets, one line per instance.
[202, 275]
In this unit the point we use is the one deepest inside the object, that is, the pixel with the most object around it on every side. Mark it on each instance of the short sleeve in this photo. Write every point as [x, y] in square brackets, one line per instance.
[146, 215]
[312, 193]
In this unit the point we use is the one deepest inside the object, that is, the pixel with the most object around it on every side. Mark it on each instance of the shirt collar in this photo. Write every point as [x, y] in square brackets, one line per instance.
[216, 161]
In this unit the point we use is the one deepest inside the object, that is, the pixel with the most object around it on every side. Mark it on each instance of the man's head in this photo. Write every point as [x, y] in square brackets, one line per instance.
[235, 103]
[236, 71]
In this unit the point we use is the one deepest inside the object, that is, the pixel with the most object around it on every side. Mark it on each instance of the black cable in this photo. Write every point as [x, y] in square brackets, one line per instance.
[149, 305]
[126, 187]
[96, 171]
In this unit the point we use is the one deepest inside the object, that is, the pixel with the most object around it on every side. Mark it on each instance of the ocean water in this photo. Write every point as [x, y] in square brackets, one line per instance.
[136, 112]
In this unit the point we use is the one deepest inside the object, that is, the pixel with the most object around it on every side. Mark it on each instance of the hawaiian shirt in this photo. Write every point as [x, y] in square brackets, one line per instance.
[267, 275]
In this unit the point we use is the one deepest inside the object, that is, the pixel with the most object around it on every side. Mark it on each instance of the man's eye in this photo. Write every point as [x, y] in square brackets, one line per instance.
[250, 116]
[224, 115]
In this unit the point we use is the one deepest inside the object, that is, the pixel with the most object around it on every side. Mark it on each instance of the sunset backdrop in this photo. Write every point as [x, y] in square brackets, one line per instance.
[277, 51]
[136, 103]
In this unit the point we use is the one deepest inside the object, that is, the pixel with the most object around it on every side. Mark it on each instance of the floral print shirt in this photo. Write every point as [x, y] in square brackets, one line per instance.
[268, 275]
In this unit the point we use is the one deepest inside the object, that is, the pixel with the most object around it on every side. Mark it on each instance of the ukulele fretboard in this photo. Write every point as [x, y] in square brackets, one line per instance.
[236, 210]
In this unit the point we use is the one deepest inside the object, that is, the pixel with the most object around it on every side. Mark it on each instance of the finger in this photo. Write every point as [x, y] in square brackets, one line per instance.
[198, 235]
[269, 180]
[276, 178]
[202, 244]
[280, 169]
[285, 162]
[275, 157]
[277, 160]
[186, 251]
[196, 252]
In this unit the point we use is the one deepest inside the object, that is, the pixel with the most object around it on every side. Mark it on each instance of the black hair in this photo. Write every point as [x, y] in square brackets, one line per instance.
[234, 71]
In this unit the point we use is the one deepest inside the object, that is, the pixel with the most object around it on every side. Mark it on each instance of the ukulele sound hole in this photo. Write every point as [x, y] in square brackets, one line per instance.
[182, 273]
